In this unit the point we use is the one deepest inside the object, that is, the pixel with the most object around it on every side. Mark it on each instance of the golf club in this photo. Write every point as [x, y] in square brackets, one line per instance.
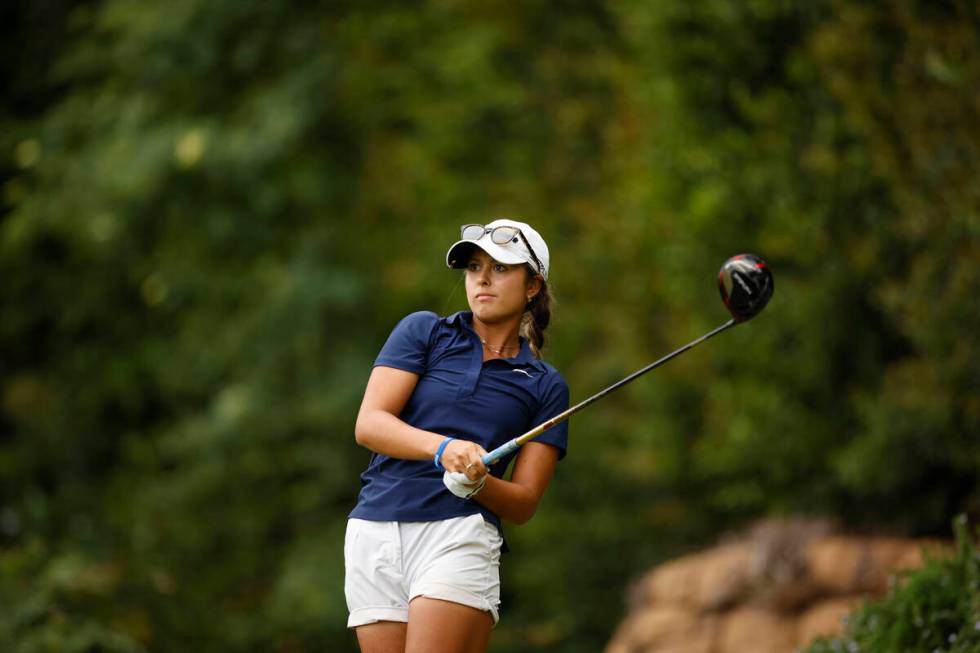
[746, 285]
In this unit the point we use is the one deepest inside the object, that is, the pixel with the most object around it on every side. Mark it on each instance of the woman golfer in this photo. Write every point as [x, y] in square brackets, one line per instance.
[424, 540]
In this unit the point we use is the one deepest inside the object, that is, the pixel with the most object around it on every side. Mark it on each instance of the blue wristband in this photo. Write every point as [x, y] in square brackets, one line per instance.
[442, 447]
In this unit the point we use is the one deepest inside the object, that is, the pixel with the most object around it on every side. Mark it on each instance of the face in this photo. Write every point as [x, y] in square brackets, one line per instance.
[498, 291]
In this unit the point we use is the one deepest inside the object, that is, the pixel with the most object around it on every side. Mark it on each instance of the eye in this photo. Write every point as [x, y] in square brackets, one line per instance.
[473, 266]
[500, 267]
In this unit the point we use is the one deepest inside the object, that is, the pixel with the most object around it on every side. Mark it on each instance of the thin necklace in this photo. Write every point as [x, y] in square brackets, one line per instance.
[497, 350]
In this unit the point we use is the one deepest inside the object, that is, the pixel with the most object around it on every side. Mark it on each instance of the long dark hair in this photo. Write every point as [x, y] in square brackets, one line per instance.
[537, 317]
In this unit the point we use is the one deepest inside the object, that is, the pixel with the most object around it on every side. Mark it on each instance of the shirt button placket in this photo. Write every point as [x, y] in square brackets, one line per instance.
[472, 376]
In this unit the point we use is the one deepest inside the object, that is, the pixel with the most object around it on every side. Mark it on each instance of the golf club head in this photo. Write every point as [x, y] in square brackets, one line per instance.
[746, 285]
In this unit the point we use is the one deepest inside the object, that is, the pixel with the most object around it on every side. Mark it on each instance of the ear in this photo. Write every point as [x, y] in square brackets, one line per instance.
[533, 287]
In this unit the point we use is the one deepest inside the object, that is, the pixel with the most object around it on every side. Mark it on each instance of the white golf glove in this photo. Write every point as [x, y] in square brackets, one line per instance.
[460, 485]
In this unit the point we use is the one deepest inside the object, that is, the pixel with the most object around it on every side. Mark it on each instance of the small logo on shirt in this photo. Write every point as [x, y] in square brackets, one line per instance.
[525, 372]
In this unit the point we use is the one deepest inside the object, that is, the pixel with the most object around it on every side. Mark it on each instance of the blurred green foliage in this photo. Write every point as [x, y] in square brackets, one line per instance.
[935, 608]
[214, 212]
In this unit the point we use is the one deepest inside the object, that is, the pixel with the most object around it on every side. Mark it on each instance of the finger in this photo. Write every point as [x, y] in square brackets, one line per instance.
[465, 457]
[475, 470]
[480, 465]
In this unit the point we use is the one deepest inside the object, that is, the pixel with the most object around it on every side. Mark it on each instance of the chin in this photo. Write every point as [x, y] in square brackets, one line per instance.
[481, 312]
[490, 314]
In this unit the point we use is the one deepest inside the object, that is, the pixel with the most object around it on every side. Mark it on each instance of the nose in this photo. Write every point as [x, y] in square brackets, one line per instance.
[483, 276]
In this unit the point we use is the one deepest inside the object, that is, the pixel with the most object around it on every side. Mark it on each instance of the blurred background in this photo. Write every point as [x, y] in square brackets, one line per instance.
[214, 211]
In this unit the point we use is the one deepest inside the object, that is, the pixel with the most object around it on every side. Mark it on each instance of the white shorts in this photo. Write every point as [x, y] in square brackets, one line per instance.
[387, 564]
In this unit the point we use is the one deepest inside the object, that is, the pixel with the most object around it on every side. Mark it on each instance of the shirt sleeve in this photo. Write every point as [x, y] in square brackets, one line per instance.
[554, 401]
[408, 345]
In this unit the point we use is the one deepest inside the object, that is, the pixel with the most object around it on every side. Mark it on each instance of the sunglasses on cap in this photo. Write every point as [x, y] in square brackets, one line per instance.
[501, 236]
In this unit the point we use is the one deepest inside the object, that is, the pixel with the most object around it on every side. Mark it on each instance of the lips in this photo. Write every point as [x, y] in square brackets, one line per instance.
[484, 296]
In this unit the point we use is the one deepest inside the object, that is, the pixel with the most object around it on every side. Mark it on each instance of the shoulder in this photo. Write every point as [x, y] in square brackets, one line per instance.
[417, 325]
[551, 379]
[548, 369]
[410, 341]
[430, 320]
[419, 319]
[541, 365]
[412, 331]
[424, 327]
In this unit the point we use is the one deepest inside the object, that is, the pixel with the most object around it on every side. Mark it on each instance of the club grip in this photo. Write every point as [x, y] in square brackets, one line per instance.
[501, 451]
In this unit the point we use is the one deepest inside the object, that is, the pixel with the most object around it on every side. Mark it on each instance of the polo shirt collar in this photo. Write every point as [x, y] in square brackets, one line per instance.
[464, 319]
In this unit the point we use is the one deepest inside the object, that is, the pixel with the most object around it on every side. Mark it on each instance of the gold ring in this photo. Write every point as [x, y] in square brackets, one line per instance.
[471, 465]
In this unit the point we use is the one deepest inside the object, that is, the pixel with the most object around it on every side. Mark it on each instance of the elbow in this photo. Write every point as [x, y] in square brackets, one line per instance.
[524, 513]
[520, 506]
[362, 431]
[522, 519]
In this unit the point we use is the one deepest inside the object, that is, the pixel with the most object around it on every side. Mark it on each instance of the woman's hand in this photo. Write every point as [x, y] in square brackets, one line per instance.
[460, 485]
[516, 500]
[465, 472]
[465, 457]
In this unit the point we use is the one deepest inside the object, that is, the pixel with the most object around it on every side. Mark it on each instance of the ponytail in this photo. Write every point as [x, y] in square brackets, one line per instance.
[537, 316]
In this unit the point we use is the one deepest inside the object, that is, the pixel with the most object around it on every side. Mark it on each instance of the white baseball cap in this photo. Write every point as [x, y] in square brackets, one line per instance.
[521, 244]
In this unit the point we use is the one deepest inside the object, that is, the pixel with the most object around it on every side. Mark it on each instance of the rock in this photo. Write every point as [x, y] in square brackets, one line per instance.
[824, 619]
[779, 567]
[835, 564]
[664, 629]
[756, 630]
[672, 583]
[723, 577]
[849, 565]
[772, 590]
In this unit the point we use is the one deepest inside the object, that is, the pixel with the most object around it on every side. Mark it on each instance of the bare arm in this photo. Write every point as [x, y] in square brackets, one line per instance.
[517, 500]
[380, 429]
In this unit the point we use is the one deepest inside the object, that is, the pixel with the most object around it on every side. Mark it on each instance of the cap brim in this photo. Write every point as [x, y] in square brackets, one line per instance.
[458, 255]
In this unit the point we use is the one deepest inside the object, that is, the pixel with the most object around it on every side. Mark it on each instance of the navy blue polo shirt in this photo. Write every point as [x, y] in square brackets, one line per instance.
[461, 396]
